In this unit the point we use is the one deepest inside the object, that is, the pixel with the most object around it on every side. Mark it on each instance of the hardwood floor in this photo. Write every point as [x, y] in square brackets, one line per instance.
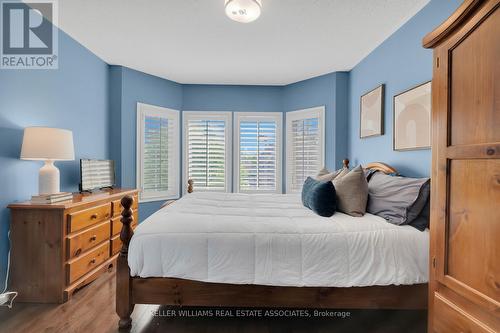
[92, 309]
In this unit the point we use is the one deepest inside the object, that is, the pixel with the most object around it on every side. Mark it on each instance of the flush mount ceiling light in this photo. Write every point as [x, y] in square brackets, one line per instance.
[243, 11]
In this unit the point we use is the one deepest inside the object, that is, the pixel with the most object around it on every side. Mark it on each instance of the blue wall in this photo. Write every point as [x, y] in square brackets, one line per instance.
[400, 62]
[127, 88]
[330, 90]
[75, 97]
[115, 117]
[232, 98]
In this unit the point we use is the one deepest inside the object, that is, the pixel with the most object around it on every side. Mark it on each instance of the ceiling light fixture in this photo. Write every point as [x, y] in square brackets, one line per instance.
[243, 11]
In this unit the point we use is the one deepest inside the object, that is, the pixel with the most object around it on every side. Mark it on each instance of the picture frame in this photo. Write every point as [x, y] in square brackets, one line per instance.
[371, 113]
[412, 118]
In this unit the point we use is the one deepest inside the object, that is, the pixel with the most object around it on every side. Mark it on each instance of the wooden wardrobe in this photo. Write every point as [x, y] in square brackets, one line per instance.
[465, 202]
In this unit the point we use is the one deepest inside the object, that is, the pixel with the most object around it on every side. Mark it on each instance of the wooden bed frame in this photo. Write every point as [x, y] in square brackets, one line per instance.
[180, 292]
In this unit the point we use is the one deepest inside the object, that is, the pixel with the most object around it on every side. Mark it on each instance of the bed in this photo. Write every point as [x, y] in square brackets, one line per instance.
[267, 250]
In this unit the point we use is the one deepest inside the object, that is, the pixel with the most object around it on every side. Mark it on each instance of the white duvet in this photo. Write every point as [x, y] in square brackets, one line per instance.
[273, 240]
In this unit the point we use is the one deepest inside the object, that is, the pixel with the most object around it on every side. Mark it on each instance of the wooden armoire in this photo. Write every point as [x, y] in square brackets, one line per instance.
[465, 202]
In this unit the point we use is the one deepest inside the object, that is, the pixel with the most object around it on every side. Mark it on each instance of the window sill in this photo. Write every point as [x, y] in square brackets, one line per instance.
[155, 199]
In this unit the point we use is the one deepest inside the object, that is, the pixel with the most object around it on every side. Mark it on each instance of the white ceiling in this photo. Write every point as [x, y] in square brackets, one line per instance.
[192, 41]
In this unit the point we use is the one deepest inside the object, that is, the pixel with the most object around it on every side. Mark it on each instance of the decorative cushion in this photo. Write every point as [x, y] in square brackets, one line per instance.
[422, 221]
[397, 199]
[369, 173]
[352, 192]
[322, 172]
[330, 176]
[319, 196]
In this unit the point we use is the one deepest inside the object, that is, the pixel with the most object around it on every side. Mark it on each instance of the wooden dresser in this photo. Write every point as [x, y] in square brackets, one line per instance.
[59, 248]
[465, 201]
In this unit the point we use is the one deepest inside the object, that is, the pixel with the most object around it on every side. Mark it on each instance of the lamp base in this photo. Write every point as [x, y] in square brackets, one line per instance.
[48, 179]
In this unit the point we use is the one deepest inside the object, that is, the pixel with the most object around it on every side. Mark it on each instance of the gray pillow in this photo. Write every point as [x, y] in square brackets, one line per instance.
[330, 176]
[422, 221]
[399, 200]
[352, 192]
[322, 172]
[369, 173]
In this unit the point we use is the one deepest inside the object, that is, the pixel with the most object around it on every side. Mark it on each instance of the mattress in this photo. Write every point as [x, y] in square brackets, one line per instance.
[271, 239]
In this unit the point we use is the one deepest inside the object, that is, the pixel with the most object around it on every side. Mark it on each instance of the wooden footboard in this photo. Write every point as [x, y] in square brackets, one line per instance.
[180, 292]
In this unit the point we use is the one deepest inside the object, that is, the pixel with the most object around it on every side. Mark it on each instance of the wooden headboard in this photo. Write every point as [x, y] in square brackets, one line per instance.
[378, 166]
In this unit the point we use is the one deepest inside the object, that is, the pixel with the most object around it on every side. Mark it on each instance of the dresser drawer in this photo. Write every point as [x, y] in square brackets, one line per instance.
[117, 206]
[116, 224]
[116, 243]
[85, 263]
[88, 217]
[85, 240]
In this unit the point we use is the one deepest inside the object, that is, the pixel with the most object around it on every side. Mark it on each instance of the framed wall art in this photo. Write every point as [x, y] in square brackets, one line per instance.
[372, 113]
[412, 118]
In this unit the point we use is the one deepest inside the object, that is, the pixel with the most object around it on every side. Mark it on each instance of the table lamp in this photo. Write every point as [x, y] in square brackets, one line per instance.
[48, 145]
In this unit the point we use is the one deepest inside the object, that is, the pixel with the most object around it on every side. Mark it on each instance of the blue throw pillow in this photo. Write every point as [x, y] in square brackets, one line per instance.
[320, 197]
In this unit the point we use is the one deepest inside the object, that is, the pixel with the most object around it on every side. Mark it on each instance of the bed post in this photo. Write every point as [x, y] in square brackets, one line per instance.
[124, 306]
[346, 163]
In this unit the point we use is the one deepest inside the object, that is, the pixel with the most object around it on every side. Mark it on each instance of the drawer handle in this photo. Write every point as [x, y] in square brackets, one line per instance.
[77, 252]
[92, 261]
[93, 238]
[93, 216]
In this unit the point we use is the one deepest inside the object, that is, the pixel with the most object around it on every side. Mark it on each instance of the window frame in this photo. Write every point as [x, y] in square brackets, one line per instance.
[144, 110]
[259, 116]
[208, 115]
[314, 112]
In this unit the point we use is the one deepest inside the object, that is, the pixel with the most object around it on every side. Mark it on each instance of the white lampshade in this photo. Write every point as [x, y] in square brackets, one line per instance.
[243, 11]
[44, 143]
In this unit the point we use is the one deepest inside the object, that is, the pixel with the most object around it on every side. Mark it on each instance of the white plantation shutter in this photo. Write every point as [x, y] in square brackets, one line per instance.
[305, 146]
[206, 150]
[258, 152]
[157, 152]
[157, 147]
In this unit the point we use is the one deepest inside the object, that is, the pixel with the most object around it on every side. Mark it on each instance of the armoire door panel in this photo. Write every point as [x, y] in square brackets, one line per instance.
[484, 310]
[474, 96]
[450, 318]
[464, 279]
[472, 245]
[490, 150]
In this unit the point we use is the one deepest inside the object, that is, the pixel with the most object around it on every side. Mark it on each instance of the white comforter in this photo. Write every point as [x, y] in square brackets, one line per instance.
[273, 240]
